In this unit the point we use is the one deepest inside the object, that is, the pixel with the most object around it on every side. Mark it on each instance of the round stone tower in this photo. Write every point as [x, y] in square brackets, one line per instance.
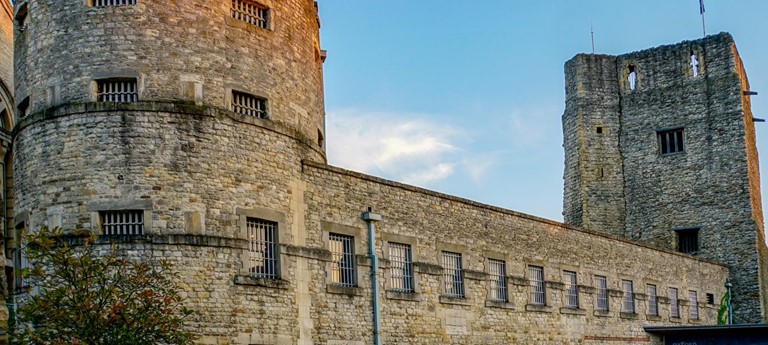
[177, 127]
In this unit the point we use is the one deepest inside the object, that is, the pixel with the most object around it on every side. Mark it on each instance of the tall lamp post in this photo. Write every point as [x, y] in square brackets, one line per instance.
[728, 286]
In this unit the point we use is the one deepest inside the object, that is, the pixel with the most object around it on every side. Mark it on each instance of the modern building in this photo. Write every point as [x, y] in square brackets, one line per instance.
[194, 131]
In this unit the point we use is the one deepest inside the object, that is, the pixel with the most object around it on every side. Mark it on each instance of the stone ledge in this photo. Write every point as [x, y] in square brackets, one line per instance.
[629, 316]
[474, 275]
[344, 290]
[587, 289]
[694, 321]
[403, 296]
[573, 311]
[555, 285]
[539, 308]
[519, 281]
[427, 268]
[178, 239]
[652, 317]
[615, 293]
[454, 300]
[499, 304]
[675, 320]
[603, 313]
[262, 282]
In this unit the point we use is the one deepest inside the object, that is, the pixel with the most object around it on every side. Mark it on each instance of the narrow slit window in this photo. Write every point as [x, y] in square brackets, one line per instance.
[629, 296]
[101, 3]
[251, 12]
[571, 290]
[453, 277]
[601, 284]
[497, 269]
[262, 238]
[632, 77]
[401, 267]
[693, 302]
[671, 141]
[694, 65]
[674, 303]
[536, 292]
[117, 90]
[23, 108]
[710, 299]
[128, 222]
[342, 260]
[248, 104]
[653, 301]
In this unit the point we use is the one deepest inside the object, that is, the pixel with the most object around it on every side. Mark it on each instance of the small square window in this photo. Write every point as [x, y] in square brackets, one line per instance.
[453, 278]
[536, 292]
[497, 269]
[688, 241]
[117, 90]
[710, 299]
[123, 222]
[671, 141]
[262, 237]
[102, 3]
[251, 12]
[401, 267]
[23, 108]
[248, 104]
[599, 130]
[342, 260]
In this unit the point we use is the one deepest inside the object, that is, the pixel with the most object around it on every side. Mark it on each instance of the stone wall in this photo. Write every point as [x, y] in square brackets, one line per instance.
[713, 185]
[183, 50]
[6, 44]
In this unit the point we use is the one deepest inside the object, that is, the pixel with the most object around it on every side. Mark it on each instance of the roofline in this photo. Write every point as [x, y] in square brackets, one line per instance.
[415, 189]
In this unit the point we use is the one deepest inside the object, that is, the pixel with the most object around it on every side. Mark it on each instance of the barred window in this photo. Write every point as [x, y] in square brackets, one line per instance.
[497, 269]
[262, 237]
[601, 283]
[693, 302]
[342, 260]
[251, 12]
[653, 301]
[536, 287]
[248, 104]
[127, 222]
[453, 279]
[688, 240]
[99, 3]
[671, 141]
[629, 296]
[571, 290]
[117, 90]
[402, 267]
[674, 303]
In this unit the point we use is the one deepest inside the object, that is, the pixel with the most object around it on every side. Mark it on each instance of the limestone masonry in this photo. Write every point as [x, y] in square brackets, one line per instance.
[194, 131]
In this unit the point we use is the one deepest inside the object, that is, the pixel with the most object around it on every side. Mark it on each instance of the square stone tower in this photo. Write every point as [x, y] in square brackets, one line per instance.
[660, 148]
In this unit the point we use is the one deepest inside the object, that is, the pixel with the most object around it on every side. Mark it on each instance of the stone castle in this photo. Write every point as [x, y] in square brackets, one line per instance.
[194, 131]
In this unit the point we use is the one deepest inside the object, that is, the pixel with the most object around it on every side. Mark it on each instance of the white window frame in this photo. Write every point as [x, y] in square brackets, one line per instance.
[453, 274]
[537, 291]
[628, 301]
[497, 272]
[653, 300]
[571, 289]
[693, 304]
[674, 302]
[601, 285]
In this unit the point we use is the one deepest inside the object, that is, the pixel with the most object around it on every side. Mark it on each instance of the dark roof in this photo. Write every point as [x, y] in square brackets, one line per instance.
[718, 330]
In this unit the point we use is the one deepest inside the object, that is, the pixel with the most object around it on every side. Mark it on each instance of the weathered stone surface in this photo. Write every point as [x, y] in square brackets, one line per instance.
[617, 182]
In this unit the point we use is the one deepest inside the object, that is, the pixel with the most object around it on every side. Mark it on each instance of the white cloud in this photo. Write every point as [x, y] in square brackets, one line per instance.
[401, 146]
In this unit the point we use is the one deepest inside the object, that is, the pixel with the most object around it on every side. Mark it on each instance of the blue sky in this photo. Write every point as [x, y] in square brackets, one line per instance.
[465, 97]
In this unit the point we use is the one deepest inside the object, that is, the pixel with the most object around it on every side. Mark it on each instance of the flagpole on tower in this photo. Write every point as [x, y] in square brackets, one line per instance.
[701, 11]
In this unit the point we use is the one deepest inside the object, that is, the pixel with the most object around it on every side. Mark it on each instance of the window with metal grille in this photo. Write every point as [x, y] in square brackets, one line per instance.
[251, 12]
[688, 241]
[671, 141]
[601, 283]
[571, 290]
[401, 267]
[248, 104]
[536, 285]
[674, 303]
[497, 269]
[653, 300]
[127, 222]
[99, 3]
[710, 299]
[453, 279]
[342, 260]
[262, 237]
[629, 296]
[693, 303]
[117, 90]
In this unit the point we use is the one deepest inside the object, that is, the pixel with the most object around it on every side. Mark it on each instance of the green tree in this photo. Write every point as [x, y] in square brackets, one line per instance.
[84, 293]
